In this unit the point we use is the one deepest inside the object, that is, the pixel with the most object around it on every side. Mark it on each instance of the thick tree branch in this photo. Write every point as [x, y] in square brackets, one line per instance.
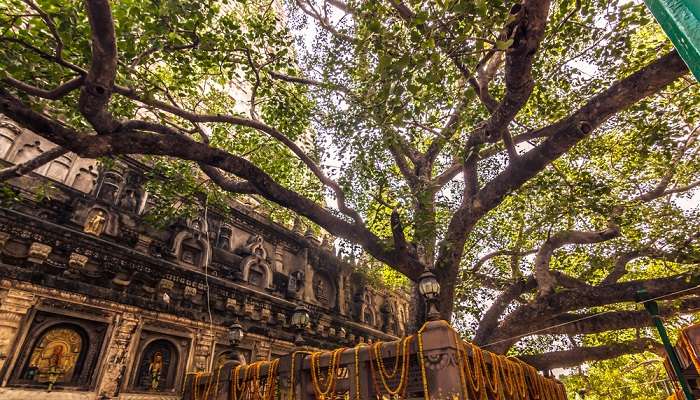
[583, 324]
[580, 355]
[30, 165]
[174, 145]
[545, 280]
[99, 82]
[563, 136]
[54, 94]
[489, 321]
[556, 304]
[527, 35]
[255, 124]
[680, 256]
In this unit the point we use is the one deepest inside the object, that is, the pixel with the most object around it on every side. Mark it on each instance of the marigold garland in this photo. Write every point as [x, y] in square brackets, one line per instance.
[483, 375]
[331, 373]
[252, 386]
[402, 353]
[357, 370]
[206, 390]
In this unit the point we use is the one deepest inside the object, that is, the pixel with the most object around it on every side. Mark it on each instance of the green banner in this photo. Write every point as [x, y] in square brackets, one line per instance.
[680, 19]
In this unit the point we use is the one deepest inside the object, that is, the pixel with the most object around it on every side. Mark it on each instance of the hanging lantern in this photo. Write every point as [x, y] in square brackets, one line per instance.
[235, 334]
[429, 287]
[300, 320]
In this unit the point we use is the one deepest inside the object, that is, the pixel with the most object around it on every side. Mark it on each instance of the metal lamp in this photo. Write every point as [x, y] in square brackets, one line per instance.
[429, 287]
[235, 334]
[300, 320]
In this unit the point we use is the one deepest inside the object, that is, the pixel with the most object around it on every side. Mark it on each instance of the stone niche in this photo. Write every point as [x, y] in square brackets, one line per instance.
[324, 289]
[255, 267]
[59, 352]
[8, 136]
[190, 245]
[158, 363]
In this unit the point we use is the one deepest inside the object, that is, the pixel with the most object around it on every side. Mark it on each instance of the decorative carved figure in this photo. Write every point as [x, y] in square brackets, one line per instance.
[95, 223]
[323, 289]
[164, 288]
[296, 282]
[231, 304]
[158, 367]
[190, 291]
[38, 252]
[4, 237]
[77, 261]
[54, 358]
[254, 246]
[155, 368]
[85, 179]
[129, 202]
[224, 240]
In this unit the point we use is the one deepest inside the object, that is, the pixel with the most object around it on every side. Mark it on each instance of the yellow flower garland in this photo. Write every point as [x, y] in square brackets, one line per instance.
[405, 358]
[316, 381]
[251, 387]
[204, 394]
[498, 378]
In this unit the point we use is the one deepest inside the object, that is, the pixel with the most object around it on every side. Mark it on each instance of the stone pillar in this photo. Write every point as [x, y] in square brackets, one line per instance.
[340, 298]
[122, 339]
[203, 349]
[263, 350]
[279, 257]
[14, 305]
[308, 279]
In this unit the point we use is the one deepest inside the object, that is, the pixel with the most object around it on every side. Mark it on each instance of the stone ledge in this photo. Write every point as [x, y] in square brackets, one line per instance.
[27, 394]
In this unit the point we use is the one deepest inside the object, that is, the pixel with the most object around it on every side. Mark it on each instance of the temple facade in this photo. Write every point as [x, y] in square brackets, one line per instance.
[95, 303]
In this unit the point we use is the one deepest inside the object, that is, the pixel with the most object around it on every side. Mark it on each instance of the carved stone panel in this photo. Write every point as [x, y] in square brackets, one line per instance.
[160, 362]
[118, 349]
[14, 304]
[59, 351]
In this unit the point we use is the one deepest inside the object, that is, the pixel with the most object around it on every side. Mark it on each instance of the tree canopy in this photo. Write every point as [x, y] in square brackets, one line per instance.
[540, 157]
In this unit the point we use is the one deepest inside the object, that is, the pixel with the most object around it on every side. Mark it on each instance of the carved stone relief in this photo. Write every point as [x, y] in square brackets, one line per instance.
[38, 252]
[202, 350]
[14, 305]
[118, 350]
[96, 222]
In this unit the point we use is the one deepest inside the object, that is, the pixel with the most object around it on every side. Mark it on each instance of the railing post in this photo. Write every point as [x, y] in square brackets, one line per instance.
[438, 361]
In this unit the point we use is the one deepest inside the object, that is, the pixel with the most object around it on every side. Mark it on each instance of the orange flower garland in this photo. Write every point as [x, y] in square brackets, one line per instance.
[482, 375]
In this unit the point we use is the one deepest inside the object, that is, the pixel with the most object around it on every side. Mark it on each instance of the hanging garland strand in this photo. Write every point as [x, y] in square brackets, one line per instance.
[402, 353]
[326, 392]
[248, 384]
[482, 375]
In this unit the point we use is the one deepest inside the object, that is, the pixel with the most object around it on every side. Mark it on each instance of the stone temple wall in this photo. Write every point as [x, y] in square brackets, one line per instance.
[96, 302]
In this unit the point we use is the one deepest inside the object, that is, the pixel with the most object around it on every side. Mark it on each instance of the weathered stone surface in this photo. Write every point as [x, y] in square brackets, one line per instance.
[117, 351]
[14, 304]
[24, 394]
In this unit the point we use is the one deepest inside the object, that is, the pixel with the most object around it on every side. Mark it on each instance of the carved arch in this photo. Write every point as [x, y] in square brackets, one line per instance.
[145, 378]
[185, 238]
[255, 263]
[8, 136]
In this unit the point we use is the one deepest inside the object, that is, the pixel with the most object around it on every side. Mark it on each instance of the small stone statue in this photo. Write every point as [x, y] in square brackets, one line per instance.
[95, 224]
[129, 201]
[155, 368]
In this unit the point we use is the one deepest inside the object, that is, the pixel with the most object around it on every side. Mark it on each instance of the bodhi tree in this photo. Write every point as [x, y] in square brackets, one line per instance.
[531, 154]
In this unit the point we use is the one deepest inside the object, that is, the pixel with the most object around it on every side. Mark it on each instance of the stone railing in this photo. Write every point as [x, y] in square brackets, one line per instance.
[433, 364]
